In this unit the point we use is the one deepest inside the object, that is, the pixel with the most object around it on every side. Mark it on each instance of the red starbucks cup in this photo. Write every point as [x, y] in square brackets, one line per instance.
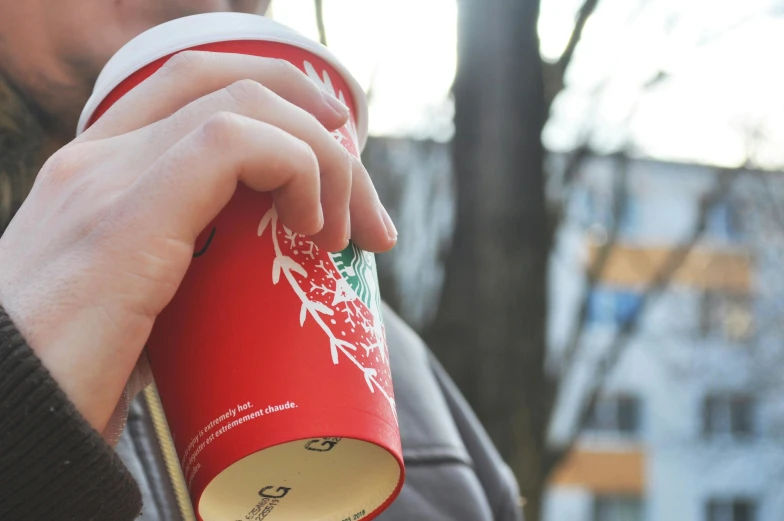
[271, 360]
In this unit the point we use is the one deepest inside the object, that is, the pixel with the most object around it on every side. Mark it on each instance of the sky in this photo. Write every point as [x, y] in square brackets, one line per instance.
[403, 51]
[720, 89]
[718, 98]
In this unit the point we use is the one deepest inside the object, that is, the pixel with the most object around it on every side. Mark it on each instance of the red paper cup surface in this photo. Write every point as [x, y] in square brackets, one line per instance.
[271, 360]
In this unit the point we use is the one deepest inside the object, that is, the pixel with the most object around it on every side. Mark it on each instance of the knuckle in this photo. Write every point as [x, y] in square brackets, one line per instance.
[309, 160]
[220, 129]
[248, 92]
[184, 63]
[64, 165]
[284, 68]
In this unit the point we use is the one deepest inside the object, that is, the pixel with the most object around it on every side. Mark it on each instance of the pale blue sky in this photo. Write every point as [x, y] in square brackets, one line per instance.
[405, 49]
[723, 83]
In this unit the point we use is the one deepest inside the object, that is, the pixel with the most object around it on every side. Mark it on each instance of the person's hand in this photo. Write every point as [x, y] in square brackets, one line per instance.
[107, 233]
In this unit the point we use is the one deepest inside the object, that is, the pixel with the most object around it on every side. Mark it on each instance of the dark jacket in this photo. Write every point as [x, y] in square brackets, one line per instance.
[453, 471]
[53, 465]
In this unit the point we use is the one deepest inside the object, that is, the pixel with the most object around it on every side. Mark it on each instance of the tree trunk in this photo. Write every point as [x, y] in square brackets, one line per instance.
[490, 328]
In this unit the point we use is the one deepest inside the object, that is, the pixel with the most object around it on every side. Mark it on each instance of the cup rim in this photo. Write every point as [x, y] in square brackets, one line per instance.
[200, 29]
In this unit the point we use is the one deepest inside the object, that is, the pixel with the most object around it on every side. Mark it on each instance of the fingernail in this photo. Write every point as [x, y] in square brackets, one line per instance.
[390, 226]
[320, 217]
[335, 104]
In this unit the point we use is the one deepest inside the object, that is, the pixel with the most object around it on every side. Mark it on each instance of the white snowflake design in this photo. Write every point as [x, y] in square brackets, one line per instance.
[344, 301]
[324, 82]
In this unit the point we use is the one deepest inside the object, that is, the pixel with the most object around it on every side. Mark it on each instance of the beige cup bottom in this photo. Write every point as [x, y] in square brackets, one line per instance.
[307, 480]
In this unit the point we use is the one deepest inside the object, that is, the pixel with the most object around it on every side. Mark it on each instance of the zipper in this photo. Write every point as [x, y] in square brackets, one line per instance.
[170, 459]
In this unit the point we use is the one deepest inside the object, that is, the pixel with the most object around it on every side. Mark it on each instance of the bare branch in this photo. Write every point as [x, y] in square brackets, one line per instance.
[583, 151]
[596, 271]
[557, 206]
[574, 163]
[775, 206]
[554, 73]
[587, 9]
[629, 328]
[320, 22]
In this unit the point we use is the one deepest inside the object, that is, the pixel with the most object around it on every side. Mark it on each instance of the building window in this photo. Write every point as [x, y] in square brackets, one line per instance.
[730, 416]
[723, 221]
[731, 510]
[629, 222]
[726, 315]
[617, 508]
[613, 306]
[584, 208]
[593, 209]
[618, 414]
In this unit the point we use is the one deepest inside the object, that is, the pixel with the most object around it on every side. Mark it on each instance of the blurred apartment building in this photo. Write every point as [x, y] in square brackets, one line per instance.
[689, 425]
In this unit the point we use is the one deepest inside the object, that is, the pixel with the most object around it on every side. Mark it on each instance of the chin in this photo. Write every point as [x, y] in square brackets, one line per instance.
[90, 45]
[186, 7]
[136, 16]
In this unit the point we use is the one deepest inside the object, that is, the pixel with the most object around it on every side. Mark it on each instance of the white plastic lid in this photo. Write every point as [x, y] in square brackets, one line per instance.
[190, 31]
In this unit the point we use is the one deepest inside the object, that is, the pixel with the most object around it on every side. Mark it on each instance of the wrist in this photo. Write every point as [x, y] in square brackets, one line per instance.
[71, 344]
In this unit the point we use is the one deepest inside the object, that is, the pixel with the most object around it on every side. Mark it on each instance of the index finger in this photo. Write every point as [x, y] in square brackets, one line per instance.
[190, 75]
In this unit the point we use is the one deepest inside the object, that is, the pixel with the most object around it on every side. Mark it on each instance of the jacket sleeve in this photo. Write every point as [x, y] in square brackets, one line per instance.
[453, 472]
[53, 464]
[494, 474]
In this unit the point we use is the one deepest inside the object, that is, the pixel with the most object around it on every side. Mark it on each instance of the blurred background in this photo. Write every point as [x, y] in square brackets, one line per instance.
[589, 199]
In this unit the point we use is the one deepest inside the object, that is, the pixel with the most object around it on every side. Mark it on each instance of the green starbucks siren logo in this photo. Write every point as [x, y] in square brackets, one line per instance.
[358, 268]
